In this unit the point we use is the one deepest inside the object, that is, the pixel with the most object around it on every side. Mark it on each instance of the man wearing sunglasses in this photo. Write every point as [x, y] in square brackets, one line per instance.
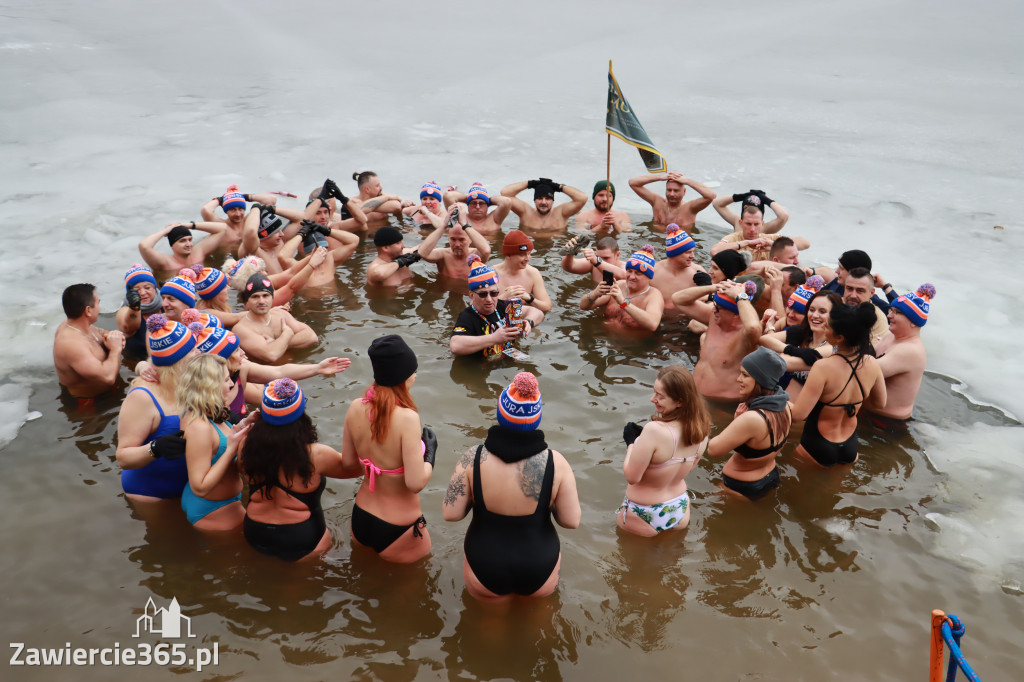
[478, 200]
[482, 329]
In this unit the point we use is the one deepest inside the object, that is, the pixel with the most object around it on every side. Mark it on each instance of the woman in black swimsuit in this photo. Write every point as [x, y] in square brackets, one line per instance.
[851, 378]
[287, 471]
[759, 431]
[511, 545]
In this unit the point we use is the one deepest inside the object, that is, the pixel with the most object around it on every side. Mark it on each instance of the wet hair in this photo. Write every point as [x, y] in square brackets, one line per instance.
[796, 275]
[858, 273]
[778, 245]
[607, 243]
[382, 402]
[854, 324]
[273, 454]
[805, 326]
[692, 414]
[76, 298]
[200, 388]
[364, 177]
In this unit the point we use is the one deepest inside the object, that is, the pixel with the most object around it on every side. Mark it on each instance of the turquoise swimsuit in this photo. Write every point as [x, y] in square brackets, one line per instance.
[198, 507]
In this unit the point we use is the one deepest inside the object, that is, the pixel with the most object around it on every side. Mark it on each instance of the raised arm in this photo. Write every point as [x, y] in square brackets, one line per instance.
[518, 206]
[216, 230]
[706, 195]
[209, 210]
[721, 205]
[685, 297]
[577, 200]
[780, 220]
[147, 248]
[639, 185]
[502, 205]
[263, 374]
[250, 235]
[427, 246]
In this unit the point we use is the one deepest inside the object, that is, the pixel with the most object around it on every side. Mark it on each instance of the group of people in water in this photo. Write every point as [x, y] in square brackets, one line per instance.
[787, 342]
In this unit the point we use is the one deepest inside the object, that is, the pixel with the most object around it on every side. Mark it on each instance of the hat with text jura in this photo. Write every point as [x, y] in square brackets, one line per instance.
[917, 305]
[520, 405]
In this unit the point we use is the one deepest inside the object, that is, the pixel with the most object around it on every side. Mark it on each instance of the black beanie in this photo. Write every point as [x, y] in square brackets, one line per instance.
[257, 282]
[730, 262]
[855, 259]
[392, 359]
[178, 232]
[386, 236]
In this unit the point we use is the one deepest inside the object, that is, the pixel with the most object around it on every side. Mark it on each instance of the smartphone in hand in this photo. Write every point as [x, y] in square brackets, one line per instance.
[609, 278]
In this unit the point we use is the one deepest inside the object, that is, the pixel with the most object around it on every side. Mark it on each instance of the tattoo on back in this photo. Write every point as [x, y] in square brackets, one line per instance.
[531, 476]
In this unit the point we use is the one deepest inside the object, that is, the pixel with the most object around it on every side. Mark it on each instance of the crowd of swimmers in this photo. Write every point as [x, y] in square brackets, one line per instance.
[213, 408]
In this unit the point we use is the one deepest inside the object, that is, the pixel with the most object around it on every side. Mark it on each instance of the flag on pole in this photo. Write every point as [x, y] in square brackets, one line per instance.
[621, 122]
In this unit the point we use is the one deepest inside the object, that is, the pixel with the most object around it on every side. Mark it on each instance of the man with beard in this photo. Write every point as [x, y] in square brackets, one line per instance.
[859, 288]
[391, 266]
[479, 200]
[733, 332]
[632, 303]
[482, 329]
[266, 333]
[602, 217]
[670, 208]
[376, 204]
[233, 204]
[183, 251]
[451, 260]
[544, 215]
[677, 270]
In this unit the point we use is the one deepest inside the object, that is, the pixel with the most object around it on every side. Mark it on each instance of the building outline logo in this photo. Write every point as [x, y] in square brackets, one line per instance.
[164, 622]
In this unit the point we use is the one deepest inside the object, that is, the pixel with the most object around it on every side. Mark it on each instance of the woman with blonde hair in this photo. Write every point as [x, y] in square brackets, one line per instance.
[660, 455]
[212, 498]
[382, 430]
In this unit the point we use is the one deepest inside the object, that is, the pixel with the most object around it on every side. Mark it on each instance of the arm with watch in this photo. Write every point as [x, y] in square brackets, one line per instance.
[601, 265]
[748, 315]
[649, 316]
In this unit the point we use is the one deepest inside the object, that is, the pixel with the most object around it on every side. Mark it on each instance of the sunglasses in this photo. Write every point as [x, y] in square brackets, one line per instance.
[486, 294]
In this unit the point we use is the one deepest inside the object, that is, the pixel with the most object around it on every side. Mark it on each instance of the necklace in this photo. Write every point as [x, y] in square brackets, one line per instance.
[249, 317]
[642, 292]
[89, 333]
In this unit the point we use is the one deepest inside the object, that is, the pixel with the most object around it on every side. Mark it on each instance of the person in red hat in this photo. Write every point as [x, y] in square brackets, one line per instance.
[516, 277]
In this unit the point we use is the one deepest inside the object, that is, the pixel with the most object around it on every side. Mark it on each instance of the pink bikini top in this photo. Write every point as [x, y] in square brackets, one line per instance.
[372, 470]
[698, 449]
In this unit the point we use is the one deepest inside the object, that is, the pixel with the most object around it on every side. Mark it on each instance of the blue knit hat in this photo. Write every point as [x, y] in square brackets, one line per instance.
[519, 406]
[917, 305]
[283, 402]
[642, 261]
[677, 241]
[169, 341]
[137, 274]
[180, 288]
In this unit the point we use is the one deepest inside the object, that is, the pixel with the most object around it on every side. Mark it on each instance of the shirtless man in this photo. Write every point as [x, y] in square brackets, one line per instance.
[544, 215]
[267, 333]
[670, 208]
[263, 236]
[430, 202]
[732, 333]
[321, 207]
[602, 217]
[901, 354]
[516, 275]
[695, 301]
[634, 303]
[750, 236]
[677, 270]
[604, 257]
[87, 358]
[391, 266]
[183, 251]
[479, 200]
[233, 204]
[376, 204]
[451, 260]
[758, 200]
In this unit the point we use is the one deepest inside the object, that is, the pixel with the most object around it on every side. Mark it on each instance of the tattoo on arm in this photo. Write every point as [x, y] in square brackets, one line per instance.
[531, 475]
[372, 204]
[456, 489]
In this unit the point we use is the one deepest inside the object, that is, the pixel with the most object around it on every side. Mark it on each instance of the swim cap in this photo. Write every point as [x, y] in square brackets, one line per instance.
[137, 274]
[520, 404]
[431, 189]
[642, 261]
[191, 316]
[392, 360]
[232, 198]
[677, 241]
[256, 283]
[177, 233]
[855, 259]
[283, 402]
[917, 305]
[215, 340]
[480, 275]
[180, 288]
[478, 191]
[801, 296]
[210, 282]
[603, 184]
[765, 367]
[169, 341]
[731, 263]
[386, 236]
[515, 242]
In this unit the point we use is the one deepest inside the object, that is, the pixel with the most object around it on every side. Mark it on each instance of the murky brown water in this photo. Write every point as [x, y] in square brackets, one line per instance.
[831, 577]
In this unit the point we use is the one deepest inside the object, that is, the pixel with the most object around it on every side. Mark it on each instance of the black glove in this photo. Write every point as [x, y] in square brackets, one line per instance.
[430, 440]
[134, 299]
[407, 259]
[336, 193]
[325, 191]
[701, 279]
[247, 197]
[765, 201]
[323, 229]
[308, 227]
[630, 432]
[808, 355]
[171, 446]
[531, 184]
[740, 197]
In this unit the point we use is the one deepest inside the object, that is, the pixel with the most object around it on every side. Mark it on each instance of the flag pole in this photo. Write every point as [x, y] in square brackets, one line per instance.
[608, 154]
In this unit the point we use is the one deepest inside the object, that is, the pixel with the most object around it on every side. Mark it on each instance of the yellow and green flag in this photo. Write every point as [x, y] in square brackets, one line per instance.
[621, 122]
